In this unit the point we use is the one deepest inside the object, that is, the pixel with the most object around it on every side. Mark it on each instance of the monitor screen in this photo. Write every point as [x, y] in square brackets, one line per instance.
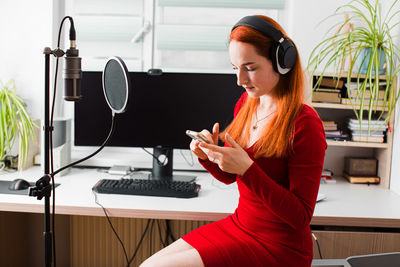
[161, 109]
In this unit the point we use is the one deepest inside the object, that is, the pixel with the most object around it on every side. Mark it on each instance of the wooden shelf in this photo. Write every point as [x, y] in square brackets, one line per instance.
[339, 113]
[356, 144]
[335, 106]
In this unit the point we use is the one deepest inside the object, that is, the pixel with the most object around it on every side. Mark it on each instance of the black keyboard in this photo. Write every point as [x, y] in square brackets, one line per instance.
[147, 188]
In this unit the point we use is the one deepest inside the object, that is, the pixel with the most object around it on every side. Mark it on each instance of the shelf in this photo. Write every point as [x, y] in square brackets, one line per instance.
[335, 106]
[356, 144]
[345, 73]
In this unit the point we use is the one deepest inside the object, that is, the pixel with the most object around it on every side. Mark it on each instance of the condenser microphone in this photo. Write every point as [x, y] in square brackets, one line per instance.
[72, 69]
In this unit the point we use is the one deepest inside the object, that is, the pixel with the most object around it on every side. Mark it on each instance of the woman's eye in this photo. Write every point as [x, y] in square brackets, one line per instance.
[250, 69]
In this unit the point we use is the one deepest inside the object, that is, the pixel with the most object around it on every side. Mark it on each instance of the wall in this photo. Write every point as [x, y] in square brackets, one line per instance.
[26, 28]
[26, 31]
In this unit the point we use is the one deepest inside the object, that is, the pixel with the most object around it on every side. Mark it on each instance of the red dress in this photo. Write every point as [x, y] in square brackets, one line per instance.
[271, 225]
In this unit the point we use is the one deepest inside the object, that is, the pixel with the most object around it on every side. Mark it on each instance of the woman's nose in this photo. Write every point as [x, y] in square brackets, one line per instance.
[242, 78]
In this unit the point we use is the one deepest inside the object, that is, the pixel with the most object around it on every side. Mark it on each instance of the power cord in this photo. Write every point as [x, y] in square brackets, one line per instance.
[128, 261]
[191, 164]
[112, 227]
[316, 240]
[158, 161]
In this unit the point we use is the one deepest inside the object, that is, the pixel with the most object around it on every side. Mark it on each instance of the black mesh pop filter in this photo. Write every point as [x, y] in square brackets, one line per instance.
[116, 84]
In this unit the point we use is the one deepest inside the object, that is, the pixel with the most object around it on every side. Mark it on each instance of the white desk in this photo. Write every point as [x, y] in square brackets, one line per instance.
[78, 237]
[346, 204]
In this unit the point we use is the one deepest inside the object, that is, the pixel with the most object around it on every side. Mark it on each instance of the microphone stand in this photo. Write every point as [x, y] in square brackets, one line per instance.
[42, 187]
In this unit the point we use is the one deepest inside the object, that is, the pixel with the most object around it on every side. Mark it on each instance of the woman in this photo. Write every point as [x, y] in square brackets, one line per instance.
[275, 149]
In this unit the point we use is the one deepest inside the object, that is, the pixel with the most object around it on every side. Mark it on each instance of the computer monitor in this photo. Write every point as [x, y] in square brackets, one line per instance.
[161, 109]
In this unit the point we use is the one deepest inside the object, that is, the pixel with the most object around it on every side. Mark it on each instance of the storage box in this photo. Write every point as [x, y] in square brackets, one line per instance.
[360, 166]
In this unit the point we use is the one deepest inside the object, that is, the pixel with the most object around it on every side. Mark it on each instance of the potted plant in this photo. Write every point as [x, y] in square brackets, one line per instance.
[364, 39]
[14, 121]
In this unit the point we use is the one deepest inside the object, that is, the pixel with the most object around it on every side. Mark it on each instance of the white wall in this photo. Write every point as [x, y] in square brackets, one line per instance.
[26, 28]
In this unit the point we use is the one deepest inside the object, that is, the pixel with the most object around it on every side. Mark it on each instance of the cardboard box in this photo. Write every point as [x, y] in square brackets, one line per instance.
[360, 166]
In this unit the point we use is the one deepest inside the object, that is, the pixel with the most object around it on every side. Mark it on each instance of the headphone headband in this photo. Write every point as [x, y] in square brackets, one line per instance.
[262, 26]
[283, 53]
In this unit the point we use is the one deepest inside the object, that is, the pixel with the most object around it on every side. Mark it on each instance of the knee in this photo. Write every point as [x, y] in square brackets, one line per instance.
[148, 262]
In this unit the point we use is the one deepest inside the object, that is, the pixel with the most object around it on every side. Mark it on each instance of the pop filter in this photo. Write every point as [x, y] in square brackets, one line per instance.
[116, 84]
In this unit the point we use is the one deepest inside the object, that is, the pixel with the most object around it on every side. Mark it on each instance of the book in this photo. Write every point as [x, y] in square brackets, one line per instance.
[369, 139]
[353, 101]
[331, 82]
[360, 166]
[330, 90]
[355, 85]
[372, 125]
[367, 94]
[362, 179]
[329, 97]
[327, 177]
[329, 126]
[371, 132]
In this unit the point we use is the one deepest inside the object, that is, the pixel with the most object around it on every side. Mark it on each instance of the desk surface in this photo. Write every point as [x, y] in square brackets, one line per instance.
[346, 204]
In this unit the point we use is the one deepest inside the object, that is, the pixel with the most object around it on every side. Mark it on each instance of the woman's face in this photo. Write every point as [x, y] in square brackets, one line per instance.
[254, 72]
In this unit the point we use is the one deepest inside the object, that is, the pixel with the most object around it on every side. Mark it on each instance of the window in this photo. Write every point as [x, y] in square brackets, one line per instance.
[173, 35]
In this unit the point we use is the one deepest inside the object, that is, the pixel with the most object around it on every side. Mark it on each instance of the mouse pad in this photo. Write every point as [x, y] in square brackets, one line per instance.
[5, 184]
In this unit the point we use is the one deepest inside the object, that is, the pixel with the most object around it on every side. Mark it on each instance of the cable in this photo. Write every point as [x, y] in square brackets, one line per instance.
[169, 232]
[112, 227]
[128, 261]
[151, 237]
[94, 153]
[191, 164]
[140, 242]
[158, 161]
[160, 234]
[319, 249]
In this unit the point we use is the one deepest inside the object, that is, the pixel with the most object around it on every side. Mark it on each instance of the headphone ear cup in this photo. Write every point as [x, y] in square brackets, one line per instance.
[273, 56]
[287, 54]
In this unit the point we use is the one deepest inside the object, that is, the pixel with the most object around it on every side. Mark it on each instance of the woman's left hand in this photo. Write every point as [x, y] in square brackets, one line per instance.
[232, 159]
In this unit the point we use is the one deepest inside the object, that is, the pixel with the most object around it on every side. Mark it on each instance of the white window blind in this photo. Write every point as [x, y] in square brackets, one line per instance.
[192, 36]
[267, 4]
[106, 28]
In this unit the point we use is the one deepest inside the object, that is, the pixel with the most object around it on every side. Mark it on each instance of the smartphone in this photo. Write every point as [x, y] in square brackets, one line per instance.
[197, 136]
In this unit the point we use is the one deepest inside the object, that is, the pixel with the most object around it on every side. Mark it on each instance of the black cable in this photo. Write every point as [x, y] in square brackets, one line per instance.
[158, 161]
[160, 234]
[112, 227]
[169, 232]
[94, 153]
[140, 242]
[319, 249]
[151, 238]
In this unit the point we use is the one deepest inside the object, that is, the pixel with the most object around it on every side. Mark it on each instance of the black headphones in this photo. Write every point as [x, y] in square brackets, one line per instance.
[283, 53]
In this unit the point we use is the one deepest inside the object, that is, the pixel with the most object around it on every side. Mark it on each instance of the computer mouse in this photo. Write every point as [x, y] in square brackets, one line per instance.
[19, 184]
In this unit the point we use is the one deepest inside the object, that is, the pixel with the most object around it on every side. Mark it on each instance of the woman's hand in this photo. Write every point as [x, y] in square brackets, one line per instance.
[232, 159]
[212, 139]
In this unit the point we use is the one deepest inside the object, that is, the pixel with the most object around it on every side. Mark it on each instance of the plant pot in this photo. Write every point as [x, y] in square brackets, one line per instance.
[363, 61]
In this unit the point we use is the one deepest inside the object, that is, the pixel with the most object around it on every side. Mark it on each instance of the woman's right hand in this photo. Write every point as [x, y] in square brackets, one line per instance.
[212, 138]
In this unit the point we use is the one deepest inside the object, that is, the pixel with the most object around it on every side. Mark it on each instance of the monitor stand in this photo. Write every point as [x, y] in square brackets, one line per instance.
[162, 166]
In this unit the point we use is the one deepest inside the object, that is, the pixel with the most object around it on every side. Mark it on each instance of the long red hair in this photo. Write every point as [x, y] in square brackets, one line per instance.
[277, 136]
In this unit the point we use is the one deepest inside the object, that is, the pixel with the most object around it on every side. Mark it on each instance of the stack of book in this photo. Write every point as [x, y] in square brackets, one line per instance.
[372, 131]
[361, 170]
[329, 90]
[327, 177]
[333, 133]
[354, 95]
